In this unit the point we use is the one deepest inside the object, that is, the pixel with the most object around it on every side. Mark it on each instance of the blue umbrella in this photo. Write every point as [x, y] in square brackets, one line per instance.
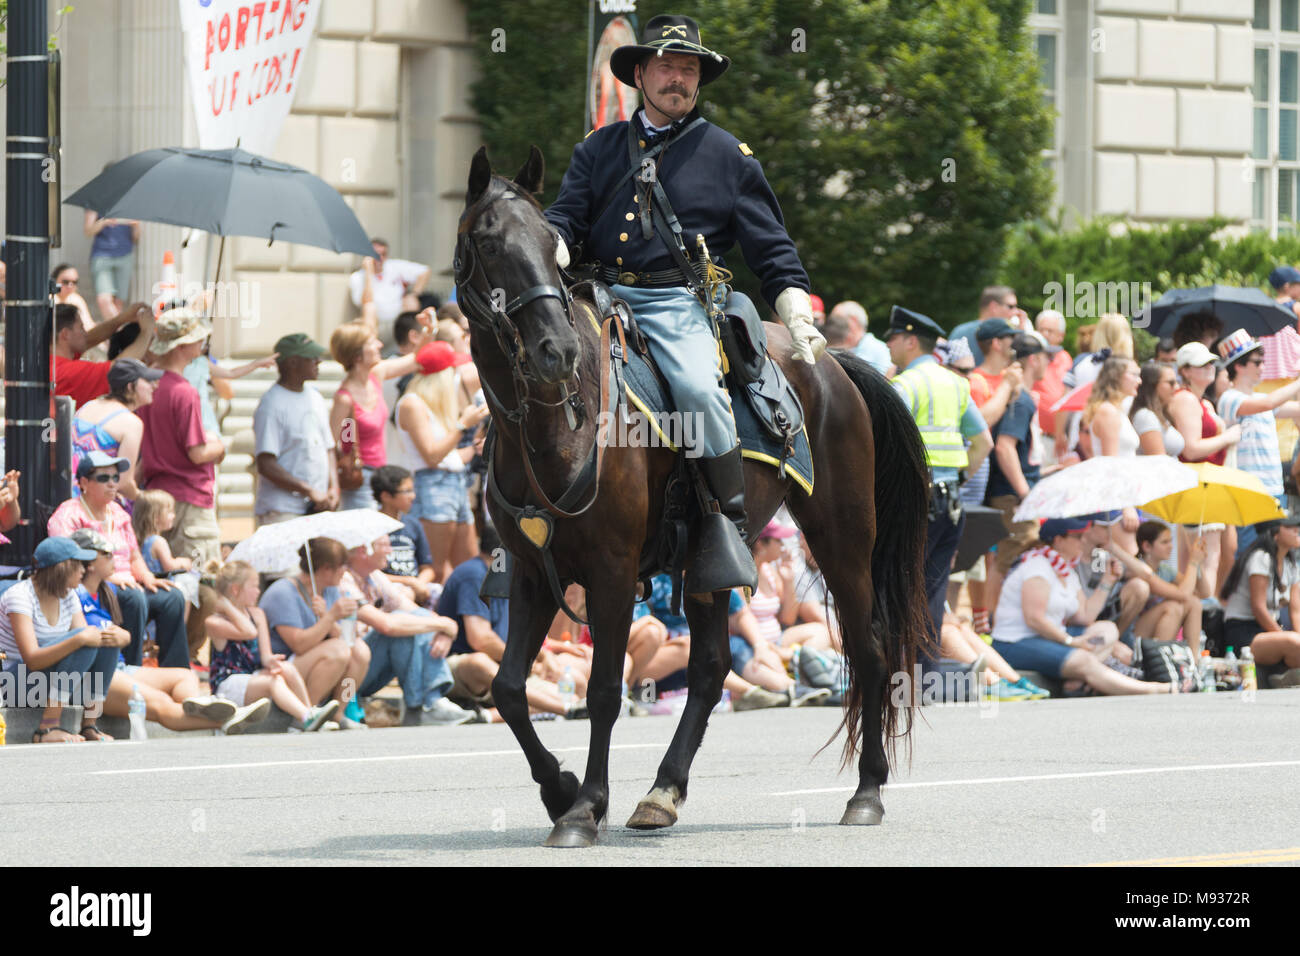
[1237, 308]
[226, 192]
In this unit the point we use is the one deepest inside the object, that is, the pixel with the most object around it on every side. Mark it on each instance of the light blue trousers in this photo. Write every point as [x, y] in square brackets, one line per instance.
[682, 343]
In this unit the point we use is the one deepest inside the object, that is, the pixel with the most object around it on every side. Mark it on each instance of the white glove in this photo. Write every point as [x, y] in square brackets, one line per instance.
[561, 252]
[795, 309]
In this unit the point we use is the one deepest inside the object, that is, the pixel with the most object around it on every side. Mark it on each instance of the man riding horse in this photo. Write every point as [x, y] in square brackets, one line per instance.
[631, 194]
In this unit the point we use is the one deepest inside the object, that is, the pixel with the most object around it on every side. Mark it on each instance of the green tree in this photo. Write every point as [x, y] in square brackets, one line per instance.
[902, 137]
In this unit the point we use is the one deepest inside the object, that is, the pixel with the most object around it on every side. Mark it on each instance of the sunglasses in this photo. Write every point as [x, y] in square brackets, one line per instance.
[963, 372]
[105, 479]
[68, 281]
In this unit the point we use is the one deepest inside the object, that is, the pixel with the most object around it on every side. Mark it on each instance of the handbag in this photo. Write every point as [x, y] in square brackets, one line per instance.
[350, 474]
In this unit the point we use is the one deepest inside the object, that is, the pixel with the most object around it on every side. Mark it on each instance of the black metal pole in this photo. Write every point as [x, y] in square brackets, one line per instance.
[29, 418]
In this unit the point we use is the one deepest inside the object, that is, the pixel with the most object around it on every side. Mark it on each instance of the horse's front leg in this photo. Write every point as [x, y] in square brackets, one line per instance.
[532, 609]
[707, 669]
[609, 609]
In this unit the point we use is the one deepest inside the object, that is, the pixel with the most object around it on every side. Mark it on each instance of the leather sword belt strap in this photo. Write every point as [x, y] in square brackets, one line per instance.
[665, 279]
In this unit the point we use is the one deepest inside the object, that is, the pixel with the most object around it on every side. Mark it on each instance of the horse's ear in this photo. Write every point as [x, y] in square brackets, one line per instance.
[480, 175]
[533, 172]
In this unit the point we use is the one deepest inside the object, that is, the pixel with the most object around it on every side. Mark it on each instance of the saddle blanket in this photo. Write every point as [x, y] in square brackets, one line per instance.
[646, 393]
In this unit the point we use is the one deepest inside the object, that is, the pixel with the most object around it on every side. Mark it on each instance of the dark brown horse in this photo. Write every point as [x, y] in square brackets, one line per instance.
[537, 352]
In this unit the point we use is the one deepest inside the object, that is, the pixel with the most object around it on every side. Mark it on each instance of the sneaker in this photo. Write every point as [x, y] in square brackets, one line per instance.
[758, 698]
[1289, 678]
[318, 716]
[1004, 691]
[347, 723]
[577, 710]
[354, 711]
[443, 713]
[216, 709]
[1035, 692]
[246, 716]
[329, 726]
[800, 696]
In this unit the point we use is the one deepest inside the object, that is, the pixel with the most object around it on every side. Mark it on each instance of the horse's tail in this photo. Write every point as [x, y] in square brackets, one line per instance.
[899, 612]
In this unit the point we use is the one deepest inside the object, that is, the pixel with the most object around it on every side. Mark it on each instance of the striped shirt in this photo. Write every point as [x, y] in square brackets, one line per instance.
[1281, 351]
[1257, 452]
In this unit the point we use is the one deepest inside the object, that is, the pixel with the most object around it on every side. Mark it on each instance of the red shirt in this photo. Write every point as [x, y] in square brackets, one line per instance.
[84, 381]
[173, 423]
[1051, 389]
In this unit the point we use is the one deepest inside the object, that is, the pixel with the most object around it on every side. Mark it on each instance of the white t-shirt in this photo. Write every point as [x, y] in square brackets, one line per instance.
[1144, 420]
[295, 427]
[405, 453]
[21, 599]
[1260, 562]
[1062, 600]
[389, 286]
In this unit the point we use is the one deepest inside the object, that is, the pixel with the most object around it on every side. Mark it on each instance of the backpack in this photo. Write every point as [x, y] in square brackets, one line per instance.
[1164, 661]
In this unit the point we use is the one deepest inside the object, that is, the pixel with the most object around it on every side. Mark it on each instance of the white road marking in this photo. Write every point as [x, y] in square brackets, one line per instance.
[304, 763]
[1195, 768]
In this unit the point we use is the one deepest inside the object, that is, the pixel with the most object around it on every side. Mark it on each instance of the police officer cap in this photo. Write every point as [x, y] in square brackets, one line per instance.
[905, 320]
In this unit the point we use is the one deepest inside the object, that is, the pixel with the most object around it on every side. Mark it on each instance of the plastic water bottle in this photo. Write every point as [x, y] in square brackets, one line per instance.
[1208, 678]
[566, 688]
[135, 712]
[348, 629]
[1248, 679]
[1234, 669]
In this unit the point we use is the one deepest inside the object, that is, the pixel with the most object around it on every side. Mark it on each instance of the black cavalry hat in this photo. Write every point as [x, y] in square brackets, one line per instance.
[905, 321]
[668, 33]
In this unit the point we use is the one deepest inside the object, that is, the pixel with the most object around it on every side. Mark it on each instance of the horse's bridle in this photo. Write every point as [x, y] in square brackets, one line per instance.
[490, 317]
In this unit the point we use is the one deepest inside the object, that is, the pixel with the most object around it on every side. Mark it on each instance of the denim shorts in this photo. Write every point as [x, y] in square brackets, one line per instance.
[442, 496]
[741, 654]
[112, 274]
[1035, 654]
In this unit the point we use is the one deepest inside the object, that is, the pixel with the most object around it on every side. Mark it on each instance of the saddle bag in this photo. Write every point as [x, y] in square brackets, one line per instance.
[744, 342]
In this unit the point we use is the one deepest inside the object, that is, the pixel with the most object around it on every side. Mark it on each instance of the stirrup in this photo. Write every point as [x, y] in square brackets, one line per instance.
[722, 561]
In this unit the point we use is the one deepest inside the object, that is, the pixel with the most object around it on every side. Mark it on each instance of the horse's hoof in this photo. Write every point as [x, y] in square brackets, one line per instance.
[572, 835]
[559, 801]
[863, 813]
[656, 810]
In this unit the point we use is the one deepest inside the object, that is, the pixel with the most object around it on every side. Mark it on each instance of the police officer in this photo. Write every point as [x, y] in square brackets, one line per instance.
[940, 404]
[632, 201]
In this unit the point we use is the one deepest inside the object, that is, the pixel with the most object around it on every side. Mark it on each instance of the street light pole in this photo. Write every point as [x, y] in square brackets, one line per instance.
[29, 426]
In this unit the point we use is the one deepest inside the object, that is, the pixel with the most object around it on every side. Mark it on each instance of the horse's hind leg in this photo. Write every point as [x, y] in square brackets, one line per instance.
[710, 658]
[840, 532]
[532, 610]
[609, 608]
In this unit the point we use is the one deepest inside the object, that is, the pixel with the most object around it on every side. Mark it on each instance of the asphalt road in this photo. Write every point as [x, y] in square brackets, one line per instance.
[1197, 779]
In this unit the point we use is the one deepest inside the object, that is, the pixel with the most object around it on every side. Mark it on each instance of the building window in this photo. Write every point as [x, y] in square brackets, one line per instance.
[1275, 145]
[1048, 25]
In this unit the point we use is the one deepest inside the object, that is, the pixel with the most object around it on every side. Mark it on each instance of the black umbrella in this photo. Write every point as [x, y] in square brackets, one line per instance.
[1237, 308]
[983, 529]
[227, 192]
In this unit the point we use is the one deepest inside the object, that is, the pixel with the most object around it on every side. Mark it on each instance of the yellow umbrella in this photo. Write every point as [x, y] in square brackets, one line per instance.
[1222, 495]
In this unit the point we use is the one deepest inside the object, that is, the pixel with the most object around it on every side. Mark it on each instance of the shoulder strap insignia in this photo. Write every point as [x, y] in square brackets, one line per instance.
[744, 148]
[589, 132]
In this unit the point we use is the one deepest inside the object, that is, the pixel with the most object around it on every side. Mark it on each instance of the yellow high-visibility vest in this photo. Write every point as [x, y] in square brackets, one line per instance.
[938, 399]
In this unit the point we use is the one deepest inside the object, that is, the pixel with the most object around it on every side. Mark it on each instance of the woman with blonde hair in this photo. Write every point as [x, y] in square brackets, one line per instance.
[1112, 432]
[1114, 333]
[431, 417]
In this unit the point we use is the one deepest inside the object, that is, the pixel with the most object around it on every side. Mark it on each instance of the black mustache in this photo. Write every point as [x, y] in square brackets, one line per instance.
[679, 90]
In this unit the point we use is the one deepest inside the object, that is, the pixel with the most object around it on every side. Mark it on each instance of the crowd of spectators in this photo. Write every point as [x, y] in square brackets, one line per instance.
[114, 602]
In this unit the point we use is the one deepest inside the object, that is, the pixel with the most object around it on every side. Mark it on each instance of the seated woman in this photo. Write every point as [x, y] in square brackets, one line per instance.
[774, 604]
[1041, 599]
[1266, 571]
[171, 694]
[959, 642]
[1172, 601]
[55, 655]
[302, 618]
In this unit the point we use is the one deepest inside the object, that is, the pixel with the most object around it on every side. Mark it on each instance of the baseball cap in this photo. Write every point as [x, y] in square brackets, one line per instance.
[178, 327]
[817, 304]
[1282, 275]
[299, 345]
[1027, 344]
[52, 551]
[127, 370]
[993, 329]
[98, 459]
[1055, 527]
[91, 540]
[437, 356]
[1194, 354]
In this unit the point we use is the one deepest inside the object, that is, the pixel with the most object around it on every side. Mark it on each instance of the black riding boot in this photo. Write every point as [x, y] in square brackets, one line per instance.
[723, 561]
